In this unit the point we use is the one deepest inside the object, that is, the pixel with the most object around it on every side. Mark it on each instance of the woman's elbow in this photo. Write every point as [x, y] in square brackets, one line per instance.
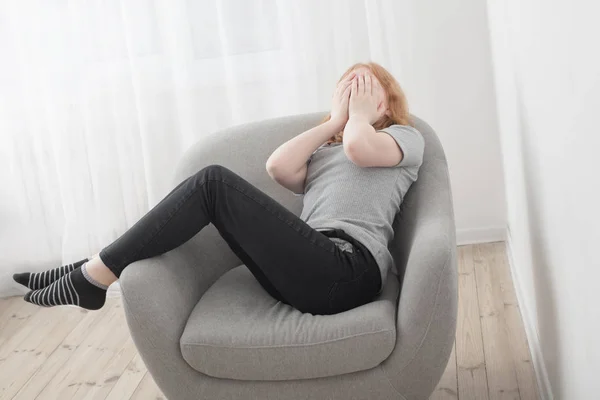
[355, 155]
[275, 169]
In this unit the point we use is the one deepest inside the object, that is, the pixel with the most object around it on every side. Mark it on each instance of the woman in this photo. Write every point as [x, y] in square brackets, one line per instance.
[353, 170]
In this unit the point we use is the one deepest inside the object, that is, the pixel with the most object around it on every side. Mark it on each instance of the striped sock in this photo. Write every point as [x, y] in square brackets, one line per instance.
[76, 288]
[39, 280]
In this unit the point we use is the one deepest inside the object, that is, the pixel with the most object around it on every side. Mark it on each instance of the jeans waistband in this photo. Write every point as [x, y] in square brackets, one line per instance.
[340, 233]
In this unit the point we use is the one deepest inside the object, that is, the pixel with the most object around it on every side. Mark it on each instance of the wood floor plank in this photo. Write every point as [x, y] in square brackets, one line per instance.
[54, 363]
[109, 375]
[74, 376]
[112, 355]
[447, 387]
[17, 316]
[126, 366]
[500, 369]
[129, 379]
[7, 303]
[103, 352]
[470, 359]
[70, 353]
[520, 350]
[147, 389]
[46, 329]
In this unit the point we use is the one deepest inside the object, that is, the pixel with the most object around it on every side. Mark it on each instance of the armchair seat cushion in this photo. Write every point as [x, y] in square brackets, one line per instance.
[238, 331]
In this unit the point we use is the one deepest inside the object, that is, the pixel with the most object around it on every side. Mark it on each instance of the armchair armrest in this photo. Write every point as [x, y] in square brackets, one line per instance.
[426, 315]
[160, 293]
[424, 249]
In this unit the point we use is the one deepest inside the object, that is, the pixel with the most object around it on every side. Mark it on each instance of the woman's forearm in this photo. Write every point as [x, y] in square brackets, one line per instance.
[357, 133]
[292, 155]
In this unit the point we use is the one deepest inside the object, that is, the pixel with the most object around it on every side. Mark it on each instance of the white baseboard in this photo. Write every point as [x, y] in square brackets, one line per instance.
[480, 235]
[531, 331]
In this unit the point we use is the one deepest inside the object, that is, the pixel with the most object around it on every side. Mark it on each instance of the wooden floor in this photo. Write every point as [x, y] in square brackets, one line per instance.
[68, 353]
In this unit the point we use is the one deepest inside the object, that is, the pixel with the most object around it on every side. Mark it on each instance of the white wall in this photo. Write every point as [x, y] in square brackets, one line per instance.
[449, 82]
[547, 71]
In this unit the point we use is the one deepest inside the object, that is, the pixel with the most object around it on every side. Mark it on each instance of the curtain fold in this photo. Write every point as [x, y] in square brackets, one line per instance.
[99, 99]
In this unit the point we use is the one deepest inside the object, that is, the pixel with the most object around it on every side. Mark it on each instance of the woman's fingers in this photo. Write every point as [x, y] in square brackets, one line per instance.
[348, 88]
[348, 83]
[347, 80]
[354, 87]
[344, 83]
[346, 94]
[361, 84]
[368, 85]
[340, 87]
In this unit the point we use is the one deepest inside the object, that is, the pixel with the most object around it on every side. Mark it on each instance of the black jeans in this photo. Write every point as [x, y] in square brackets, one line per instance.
[293, 262]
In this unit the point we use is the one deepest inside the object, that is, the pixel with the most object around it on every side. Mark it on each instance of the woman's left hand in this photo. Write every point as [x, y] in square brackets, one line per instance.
[365, 99]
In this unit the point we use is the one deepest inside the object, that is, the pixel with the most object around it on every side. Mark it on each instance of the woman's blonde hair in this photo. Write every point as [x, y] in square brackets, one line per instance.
[396, 100]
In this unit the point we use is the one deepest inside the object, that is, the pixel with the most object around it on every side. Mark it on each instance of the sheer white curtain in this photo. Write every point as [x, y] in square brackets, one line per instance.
[98, 99]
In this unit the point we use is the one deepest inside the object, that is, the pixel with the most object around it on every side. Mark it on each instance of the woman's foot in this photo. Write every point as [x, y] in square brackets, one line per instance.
[76, 288]
[39, 280]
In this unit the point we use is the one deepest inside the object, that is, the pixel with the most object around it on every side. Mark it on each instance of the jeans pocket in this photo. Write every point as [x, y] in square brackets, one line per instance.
[346, 295]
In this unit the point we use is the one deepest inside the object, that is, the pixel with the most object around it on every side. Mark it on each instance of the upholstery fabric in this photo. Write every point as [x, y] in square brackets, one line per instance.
[239, 331]
[160, 294]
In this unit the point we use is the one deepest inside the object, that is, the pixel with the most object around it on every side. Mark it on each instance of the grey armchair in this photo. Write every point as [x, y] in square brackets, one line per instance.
[206, 329]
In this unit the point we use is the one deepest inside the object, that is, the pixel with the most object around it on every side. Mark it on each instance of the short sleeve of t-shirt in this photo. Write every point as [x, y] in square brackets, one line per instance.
[410, 141]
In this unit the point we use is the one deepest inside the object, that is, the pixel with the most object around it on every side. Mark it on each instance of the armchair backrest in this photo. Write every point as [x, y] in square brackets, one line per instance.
[245, 149]
[425, 222]
[426, 215]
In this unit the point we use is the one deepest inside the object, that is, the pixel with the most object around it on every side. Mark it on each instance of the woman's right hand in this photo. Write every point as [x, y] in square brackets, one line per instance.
[340, 101]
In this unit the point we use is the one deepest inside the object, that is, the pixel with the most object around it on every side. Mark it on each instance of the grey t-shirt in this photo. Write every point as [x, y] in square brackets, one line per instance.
[361, 201]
